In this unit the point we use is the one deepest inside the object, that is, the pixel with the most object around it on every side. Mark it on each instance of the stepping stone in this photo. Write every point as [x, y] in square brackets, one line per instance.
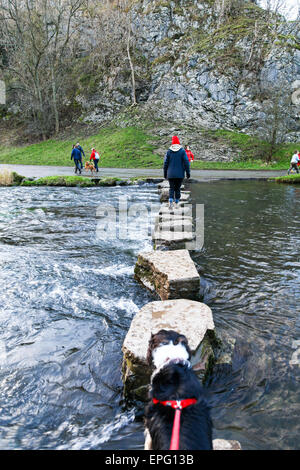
[181, 210]
[188, 317]
[164, 196]
[175, 225]
[172, 274]
[168, 216]
[173, 240]
[165, 185]
[222, 444]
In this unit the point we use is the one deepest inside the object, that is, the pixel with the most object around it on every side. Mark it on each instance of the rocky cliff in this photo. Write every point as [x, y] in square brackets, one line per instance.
[237, 69]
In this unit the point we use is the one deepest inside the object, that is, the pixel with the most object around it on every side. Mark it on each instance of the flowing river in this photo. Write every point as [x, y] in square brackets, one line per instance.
[67, 299]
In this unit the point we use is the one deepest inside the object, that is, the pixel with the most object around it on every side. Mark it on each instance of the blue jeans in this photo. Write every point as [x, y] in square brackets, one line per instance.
[175, 185]
[96, 164]
[77, 166]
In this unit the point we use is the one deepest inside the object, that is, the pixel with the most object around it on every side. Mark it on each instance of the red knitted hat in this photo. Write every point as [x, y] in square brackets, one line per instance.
[175, 140]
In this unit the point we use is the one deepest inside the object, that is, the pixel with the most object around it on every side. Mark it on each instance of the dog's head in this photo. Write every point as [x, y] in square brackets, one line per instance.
[165, 346]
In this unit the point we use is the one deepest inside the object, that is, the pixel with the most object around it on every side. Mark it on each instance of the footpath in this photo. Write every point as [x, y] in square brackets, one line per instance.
[35, 171]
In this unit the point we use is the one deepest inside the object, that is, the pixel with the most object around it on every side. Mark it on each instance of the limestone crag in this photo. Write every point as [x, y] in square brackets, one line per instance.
[197, 70]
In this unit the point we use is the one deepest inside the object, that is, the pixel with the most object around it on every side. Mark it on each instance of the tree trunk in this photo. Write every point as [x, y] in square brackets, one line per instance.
[133, 92]
[54, 101]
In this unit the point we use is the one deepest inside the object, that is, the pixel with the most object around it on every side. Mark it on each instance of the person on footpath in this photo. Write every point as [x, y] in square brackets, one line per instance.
[76, 156]
[189, 153]
[95, 157]
[176, 164]
[81, 153]
[293, 163]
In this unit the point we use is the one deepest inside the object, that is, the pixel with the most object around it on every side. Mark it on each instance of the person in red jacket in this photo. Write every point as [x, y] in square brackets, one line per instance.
[95, 157]
[189, 153]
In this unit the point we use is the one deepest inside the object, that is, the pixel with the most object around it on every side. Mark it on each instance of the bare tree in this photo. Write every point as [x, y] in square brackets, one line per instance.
[36, 36]
[275, 123]
[116, 43]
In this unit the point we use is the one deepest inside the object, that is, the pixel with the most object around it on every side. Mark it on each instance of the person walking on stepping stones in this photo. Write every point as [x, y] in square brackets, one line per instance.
[176, 164]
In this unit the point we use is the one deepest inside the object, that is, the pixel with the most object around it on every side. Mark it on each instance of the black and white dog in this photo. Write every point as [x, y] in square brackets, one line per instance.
[174, 386]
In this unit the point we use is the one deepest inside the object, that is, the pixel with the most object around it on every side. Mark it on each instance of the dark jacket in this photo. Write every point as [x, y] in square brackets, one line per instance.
[81, 150]
[176, 164]
[76, 154]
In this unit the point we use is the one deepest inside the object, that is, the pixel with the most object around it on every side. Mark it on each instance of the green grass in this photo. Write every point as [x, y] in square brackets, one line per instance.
[77, 181]
[241, 165]
[249, 152]
[60, 181]
[119, 148]
[289, 179]
[11, 178]
[130, 147]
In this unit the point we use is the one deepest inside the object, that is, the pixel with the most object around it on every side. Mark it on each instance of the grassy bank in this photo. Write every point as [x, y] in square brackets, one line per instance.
[133, 147]
[10, 178]
[119, 148]
[289, 179]
[70, 181]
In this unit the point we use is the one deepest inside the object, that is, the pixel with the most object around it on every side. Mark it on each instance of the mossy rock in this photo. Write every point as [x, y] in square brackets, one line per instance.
[68, 181]
[109, 181]
[17, 179]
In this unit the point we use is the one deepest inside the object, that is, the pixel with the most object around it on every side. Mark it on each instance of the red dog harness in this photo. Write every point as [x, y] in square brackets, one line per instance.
[177, 405]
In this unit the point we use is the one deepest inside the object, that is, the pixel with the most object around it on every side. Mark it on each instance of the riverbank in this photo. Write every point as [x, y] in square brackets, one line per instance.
[36, 171]
[287, 179]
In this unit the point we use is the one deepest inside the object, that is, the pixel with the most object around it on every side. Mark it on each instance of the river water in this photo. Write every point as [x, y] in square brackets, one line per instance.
[68, 297]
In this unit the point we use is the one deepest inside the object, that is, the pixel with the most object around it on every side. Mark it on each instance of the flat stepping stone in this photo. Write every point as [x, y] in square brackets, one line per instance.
[181, 210]
[169, 238]
[222, 444]
[188, 317]
[170, 216]
[175, 225]
[165, 185]
[164, 196]
[172, 274]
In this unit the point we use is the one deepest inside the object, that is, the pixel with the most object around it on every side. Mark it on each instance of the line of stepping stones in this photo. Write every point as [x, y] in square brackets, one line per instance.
[169, 273]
